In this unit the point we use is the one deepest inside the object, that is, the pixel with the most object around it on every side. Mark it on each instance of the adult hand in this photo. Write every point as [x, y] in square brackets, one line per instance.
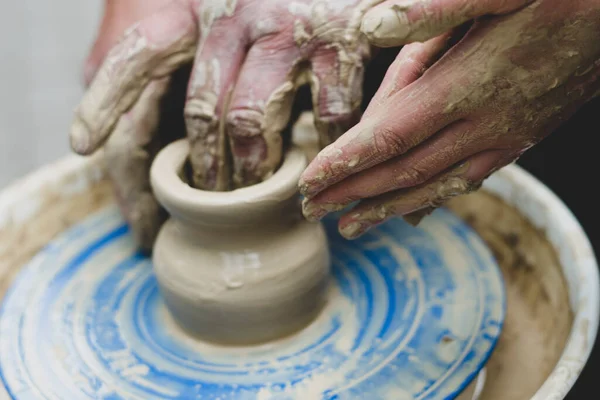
[428, 136]
[141, 131]
[249, 58]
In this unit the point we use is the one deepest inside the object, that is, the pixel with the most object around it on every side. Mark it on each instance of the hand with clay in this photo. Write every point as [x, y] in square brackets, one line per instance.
[445, 119]
[249, 57]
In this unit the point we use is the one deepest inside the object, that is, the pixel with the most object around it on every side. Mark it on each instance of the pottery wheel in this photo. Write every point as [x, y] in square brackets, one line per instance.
[413, 313]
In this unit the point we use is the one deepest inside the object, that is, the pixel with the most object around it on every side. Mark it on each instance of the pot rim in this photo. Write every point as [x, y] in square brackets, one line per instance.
[179, 198]
[74, 174]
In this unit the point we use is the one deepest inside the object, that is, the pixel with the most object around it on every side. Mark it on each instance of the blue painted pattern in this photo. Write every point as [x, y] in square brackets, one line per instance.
[413, 314]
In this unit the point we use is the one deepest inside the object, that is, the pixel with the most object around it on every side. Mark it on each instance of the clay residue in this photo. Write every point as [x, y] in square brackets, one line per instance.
[57, 213]
[539, 318]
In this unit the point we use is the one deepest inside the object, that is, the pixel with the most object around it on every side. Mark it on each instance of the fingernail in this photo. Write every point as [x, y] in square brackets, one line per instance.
[354, 229]
[303, 187]
[364, 220]
[385, 27]
[310, 187]
[311, 211]
[315, 212]
[80, 136]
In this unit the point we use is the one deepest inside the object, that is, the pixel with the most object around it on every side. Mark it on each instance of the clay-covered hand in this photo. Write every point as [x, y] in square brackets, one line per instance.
[444, 120]
[140, 131]
[249, 57]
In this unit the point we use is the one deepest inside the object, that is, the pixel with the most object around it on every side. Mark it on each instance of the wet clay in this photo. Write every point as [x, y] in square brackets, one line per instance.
[238, 267]
[20, 242]
[538, 316]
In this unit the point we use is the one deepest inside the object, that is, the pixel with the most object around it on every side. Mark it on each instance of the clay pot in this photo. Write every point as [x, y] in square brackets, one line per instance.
[240, 266]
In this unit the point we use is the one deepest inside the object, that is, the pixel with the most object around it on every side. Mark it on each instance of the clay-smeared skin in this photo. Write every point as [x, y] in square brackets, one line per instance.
[249, 57]
[439, 126]
[117, 18]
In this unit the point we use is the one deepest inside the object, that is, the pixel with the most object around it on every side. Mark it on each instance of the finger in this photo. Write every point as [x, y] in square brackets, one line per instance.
[410, 64]
[336, 85]
[448, 147]
[398, 22]
[423, 199]
[403, 121]
[129, 152]
[260, 108]
[152, 49]
[116, 19]
[216, 68]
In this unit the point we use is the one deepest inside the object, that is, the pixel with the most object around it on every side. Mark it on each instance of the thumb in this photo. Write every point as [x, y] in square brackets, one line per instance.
[398, 22]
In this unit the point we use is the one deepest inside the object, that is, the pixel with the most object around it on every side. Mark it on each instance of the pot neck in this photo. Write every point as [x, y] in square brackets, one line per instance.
[271, 202]
[273, 216]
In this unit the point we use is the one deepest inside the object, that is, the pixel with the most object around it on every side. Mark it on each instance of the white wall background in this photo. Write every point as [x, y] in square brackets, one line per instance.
[42, 45]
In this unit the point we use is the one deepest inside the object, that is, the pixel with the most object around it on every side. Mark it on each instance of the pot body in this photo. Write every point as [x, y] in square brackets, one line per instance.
[242, 285]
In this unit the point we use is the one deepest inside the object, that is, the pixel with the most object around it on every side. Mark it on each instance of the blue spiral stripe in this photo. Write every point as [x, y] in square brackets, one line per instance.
[398, 293]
